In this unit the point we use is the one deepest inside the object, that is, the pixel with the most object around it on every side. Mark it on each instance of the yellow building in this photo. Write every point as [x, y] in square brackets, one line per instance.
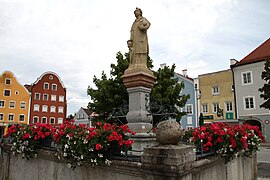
[216, 95]
[14, 101]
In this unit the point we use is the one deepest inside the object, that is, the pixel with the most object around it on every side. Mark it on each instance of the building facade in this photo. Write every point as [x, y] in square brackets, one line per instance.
[14, 101]
[247, 81]
[189, 120]
[216, 99]
[83, 116]
[48, 100]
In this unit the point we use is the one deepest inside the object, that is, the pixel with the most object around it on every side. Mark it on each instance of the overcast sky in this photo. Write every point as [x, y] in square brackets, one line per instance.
[77, 39]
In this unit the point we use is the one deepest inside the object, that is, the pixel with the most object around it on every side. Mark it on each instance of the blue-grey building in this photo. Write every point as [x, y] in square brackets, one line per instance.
[188, 121]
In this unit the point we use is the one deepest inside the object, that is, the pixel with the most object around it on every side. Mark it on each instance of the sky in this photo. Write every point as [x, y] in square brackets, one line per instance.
[78, 39]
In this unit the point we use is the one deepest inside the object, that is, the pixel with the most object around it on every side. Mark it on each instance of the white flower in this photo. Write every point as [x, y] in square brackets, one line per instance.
[65, 154]
[66, 146]
[81, 156]
[14, 143]
[74, 142]
[69, 165]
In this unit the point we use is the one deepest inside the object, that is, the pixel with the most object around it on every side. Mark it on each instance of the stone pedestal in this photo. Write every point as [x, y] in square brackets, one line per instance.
[170, 155]
[142, 141]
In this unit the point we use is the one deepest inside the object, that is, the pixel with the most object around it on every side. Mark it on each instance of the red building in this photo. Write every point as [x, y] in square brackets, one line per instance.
[48, 99]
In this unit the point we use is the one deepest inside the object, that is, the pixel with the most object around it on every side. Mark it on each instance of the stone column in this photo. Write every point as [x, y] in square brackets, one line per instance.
[139, 85]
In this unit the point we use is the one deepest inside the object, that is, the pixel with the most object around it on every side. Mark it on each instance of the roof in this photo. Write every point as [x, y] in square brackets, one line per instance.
[185, 77]
[259, 54]
[50, 72]
[87, 111]
[212, 73]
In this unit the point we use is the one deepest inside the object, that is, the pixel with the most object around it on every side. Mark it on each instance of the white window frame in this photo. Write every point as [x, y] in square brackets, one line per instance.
[54, 85]
[44, 95]
[4, 102]
[205, 107]
[53, 97]
[254, 105]
[60, 109]
[43, 119]
[22, 105]
[215, 109]
[44, 86]
[60, 121]
[189, 120]
[61, 98]
[19, 118]
[12, 102]
[231, 105]
[37, 96]
[189, 105]
[215, 90]
[242, 78]
[1, 115]
[53, 109]
[51, 120]
[36, 108]
[34, 119]
[44, 108]
[7, 90]
[6, 81]
[16, 92]
[11, 114]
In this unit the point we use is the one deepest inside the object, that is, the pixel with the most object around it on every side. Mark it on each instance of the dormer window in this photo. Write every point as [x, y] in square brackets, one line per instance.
[7, 81]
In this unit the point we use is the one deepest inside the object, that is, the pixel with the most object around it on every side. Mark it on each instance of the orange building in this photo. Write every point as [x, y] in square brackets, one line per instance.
[48, 100]
[14, 101]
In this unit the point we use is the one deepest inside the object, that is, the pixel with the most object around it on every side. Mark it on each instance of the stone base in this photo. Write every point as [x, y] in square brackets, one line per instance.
[142, 141]
[140, 127]
[171, 155]
[136, 79]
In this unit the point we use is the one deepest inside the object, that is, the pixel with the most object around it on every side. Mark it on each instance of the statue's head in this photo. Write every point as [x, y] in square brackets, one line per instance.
[138, 12]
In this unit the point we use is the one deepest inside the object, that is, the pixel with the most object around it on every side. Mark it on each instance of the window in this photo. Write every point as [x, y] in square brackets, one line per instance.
[6, 92]
[189, 109]
[44, 120]
[35, 119]
[12, 104]
[53, 97]
[60, 109]
[7, 81]
[21, 117]
[215, 90]
[46, 85]
[45, 97]
[52, 120]
[60, 120]
[53, 109]
[229, 107]
[23, 105]
[16, 92]
[215, 107]
[61, 98]
[44, 108]
[36, 107]
[11, 117]
[54, 87]
[189, 120]
[205, 108]
[37, 96]
[2, 103]
[249, 103]
[246, 78]
[1, 117]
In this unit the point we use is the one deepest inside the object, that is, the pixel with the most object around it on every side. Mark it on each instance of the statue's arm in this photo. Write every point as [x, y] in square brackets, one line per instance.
[144, 24]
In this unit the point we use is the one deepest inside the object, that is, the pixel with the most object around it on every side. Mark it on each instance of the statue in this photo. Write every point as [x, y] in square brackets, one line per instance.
[138, 43]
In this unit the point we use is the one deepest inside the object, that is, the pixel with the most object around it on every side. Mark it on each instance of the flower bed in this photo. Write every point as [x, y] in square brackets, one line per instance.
[228, 141]
[77, 144]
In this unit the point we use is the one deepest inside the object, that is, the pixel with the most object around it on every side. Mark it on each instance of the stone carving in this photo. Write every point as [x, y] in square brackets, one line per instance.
[138, 43]
[169, 132]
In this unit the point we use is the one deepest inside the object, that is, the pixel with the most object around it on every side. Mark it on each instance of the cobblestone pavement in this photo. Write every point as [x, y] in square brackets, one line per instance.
[264, 170]
[263, 165]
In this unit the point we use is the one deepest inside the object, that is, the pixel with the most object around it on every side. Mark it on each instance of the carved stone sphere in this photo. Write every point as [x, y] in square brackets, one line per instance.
[169, 132]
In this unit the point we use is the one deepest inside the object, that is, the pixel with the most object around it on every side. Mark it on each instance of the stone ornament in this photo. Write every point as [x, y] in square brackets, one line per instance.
[169, 132]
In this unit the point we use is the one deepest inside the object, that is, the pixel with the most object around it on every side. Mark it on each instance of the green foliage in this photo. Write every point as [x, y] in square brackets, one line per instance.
[266, 87]
[110, 93]
[167, 90]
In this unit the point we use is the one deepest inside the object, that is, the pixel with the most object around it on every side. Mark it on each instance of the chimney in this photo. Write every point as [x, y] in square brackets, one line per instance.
[233, 61]
[162, 65]
[184, 72]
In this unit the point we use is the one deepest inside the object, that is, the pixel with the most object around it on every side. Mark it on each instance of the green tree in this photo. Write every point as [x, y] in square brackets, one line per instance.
[167, 91]
[266, 87]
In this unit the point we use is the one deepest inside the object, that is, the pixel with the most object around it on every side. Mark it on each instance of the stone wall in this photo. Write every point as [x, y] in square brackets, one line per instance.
[153, 166]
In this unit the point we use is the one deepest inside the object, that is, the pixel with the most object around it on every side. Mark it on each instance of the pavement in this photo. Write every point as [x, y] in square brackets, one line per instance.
[263, 162]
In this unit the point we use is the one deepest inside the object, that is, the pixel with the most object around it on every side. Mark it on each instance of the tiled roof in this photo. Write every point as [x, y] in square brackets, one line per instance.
[28, 87]
[87, 111]
[259, 54]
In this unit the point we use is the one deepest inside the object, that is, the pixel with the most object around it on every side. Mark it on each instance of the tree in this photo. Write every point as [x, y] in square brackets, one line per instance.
[266, 87]
[167, 91]
[110, 93]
